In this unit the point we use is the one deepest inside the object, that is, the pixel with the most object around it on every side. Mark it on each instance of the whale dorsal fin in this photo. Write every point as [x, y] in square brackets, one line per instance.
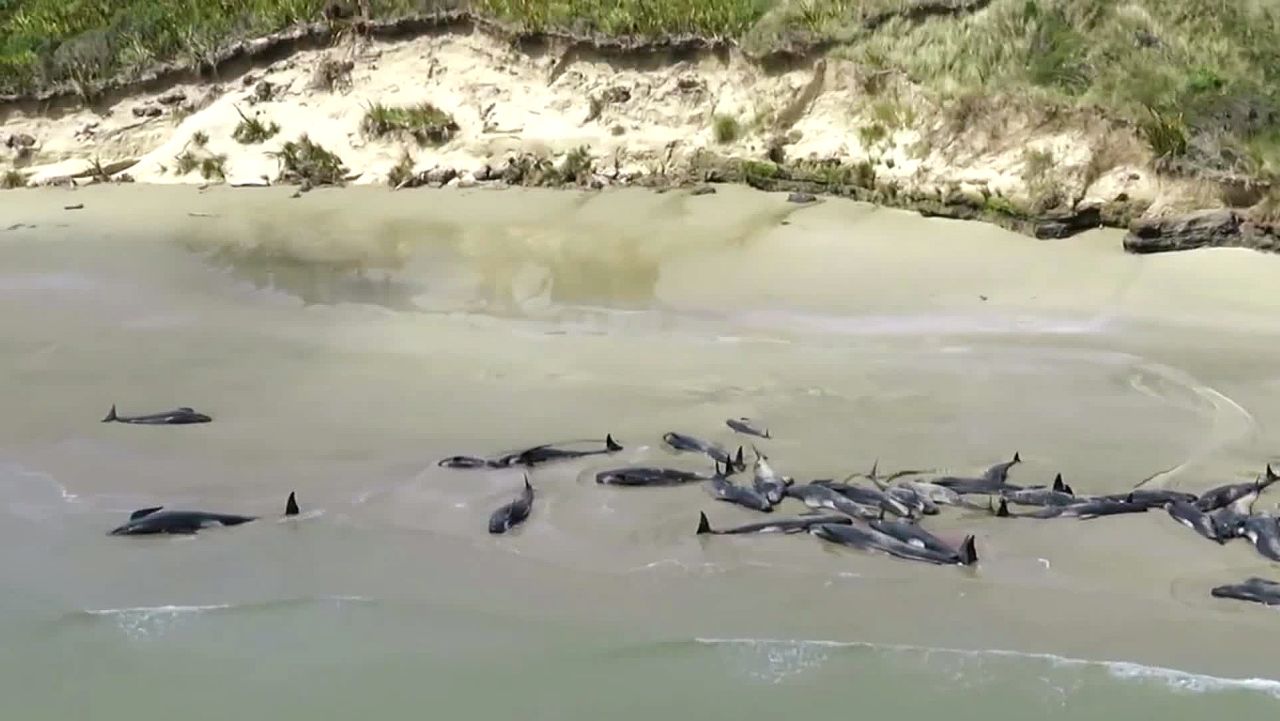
[187, 409]
[291, 505]
[1058, 485]
[143, 513]
[611, 444]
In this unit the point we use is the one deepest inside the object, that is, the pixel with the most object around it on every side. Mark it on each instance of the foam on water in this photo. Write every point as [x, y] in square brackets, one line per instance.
[143, 622]
[784, 658]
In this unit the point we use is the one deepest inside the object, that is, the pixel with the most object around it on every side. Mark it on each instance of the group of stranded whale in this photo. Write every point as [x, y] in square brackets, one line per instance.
[157, 520]
[883, 515]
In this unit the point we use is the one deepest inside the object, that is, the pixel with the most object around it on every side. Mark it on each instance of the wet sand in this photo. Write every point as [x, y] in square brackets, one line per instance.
[347, 340]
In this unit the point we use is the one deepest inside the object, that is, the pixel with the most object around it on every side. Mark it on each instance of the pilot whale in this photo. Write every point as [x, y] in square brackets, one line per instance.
[156, 520]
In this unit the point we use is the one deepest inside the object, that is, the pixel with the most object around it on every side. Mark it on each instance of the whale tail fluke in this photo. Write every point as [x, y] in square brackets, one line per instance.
[291, 505]
[1016, 458]
[111, 416]
[704, 526]
[968, 551]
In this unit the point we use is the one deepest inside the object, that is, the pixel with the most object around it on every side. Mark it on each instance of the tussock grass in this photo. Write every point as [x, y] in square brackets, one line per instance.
[1165, 132]
[402, 172]
[577, 167]
[424, 122]
[47, 42]
[213, 167]
[251, 131]
[1209, 68]
[640, 18]
[12, 178]
[305, 161]
[726, 129]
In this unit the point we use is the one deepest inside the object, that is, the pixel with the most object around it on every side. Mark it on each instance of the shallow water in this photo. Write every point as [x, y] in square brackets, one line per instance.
[347, 340]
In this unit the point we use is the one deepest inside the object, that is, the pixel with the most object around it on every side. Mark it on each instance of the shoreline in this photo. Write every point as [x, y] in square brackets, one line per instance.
[559, 110]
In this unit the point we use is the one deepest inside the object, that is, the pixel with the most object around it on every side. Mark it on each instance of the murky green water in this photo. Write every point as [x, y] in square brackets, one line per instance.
[347, 340]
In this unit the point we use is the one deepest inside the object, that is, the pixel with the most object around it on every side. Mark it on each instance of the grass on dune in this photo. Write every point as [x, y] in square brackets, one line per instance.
[1198, 79]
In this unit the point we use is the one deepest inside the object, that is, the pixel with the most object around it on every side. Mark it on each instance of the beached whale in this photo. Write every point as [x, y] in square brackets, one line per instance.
[529, 457]
[687, 443]
[176, 417]
[1151, 498]
[549, 453]
[1059, 495]
[867, 538]
[1240, 495]
[514, 513]
[1256, 590]
[994, 480]
[748, 427]
[726, 490]
[815, 496]
[648, 476]
[1194, 518]
[156, 520]
[873, 497]
[768, 482]
[798, 524]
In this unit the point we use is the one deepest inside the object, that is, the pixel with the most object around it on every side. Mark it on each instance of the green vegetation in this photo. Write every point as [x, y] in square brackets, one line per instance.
[1199, 79]
[1036, 164]
[577, 167]
[12, 178]
[726, 129]
[402, 173]
[424, 122]
[199, 138]
[185, 162]
[45, 42]
[304, 161]
[213, 167]
[252, 130]
[643, 18]
[873, 135]
[1165, 133]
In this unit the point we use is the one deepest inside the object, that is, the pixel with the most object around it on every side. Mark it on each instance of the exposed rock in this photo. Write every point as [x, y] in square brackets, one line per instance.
[703, 190]
[1066, 222]
[465, 179]
[20, 140]
[172, 98]
[1202, 229]
[616, 95]
[440, 176]
[147, 111]
[263, 91]
[801, 198]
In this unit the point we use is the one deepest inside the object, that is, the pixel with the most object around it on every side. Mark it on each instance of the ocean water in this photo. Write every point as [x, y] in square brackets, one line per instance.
[346, 341]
